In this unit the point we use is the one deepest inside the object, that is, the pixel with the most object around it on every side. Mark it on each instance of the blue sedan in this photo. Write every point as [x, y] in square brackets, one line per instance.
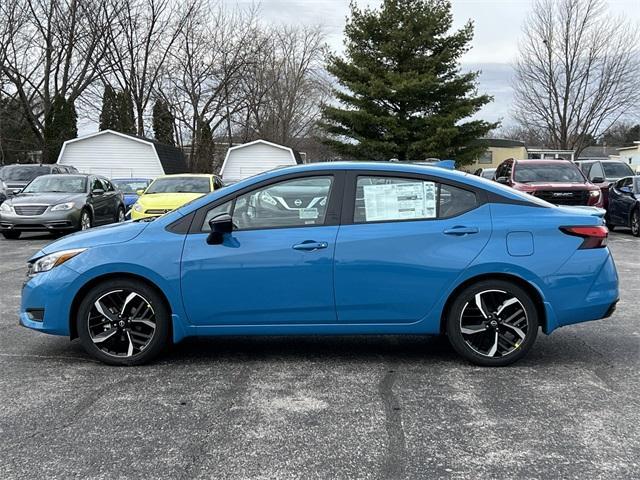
[333, 248]
[130, 187]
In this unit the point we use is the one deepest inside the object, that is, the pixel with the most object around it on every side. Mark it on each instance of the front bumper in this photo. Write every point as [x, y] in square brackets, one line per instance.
[48, 221]
[48, 296]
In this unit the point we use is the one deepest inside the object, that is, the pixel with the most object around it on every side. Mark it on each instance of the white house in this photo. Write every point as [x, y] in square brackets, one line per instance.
[255, 157]
[631, 155]
[118, 155]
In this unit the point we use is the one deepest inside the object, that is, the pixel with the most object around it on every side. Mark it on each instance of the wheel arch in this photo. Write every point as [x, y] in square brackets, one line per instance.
[528, 287]
[77, 299]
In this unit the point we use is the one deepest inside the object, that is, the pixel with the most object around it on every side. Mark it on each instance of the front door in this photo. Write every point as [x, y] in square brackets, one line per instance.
[276, 267]
[405, 244]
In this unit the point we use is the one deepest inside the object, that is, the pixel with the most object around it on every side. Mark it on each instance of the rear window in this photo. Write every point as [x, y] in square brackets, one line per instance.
[561, 172]
[616, 170]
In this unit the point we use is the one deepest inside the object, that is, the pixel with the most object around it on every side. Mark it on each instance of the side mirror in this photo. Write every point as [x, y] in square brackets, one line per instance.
[597, 180]
[140, 191]
[97, 192]
[219, 225]
[503, 180]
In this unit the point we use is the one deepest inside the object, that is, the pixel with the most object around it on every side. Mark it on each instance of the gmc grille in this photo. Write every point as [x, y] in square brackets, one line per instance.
[565, 197]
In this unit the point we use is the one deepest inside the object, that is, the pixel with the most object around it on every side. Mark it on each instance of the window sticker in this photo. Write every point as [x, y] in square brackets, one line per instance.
[400, 201]
[308, 213]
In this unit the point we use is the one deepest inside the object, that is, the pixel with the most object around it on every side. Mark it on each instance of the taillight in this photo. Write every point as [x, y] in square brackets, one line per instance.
[594, 237]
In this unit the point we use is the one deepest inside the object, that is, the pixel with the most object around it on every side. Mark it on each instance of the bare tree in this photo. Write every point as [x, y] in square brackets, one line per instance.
[578, 71]
[285, 89]
[140, 45]
[49, 49]
[210, 59]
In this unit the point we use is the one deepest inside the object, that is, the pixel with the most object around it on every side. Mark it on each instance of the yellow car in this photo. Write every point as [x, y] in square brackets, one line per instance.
[172, 191]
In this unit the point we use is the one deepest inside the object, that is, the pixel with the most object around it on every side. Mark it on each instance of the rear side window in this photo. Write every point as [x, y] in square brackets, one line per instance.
[384, 199]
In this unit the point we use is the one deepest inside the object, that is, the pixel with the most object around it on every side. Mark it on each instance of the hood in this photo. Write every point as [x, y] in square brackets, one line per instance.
[46, 198]
[167, 200]
[130, 199]
[555, 186]
[583, 210]
[95, 237]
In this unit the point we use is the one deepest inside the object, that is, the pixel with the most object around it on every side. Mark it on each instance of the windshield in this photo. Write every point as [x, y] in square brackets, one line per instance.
[130, 186]
[180, 185]
[616, 170]
[57, 184]
[22, 173]
[561, 172]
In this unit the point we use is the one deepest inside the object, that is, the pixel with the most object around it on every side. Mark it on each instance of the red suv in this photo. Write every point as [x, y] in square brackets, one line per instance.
[556, 181]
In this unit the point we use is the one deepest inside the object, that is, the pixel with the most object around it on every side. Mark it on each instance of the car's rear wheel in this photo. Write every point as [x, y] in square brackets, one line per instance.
[492, 323]
[635, 222]
[11, 235]
[122, 322]
[86, 221]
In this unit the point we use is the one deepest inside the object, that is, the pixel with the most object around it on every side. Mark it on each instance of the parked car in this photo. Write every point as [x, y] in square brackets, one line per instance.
[130, 187]
[4, 191]
[487, 173]
[61, 203]
[624, 204]
[17, 176]
[557, 181]
[381, 248]
[602, 173]
[172, 191]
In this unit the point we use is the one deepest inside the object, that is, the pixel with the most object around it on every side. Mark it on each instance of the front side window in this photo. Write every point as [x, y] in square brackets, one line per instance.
[214, 212]
[384, 199]
[596, 171]
[291, 203]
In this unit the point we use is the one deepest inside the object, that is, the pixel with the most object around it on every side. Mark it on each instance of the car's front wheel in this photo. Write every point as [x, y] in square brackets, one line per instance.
[635, 222]
[492, 323]
[120, 215]
[86, 221]
[123, 322]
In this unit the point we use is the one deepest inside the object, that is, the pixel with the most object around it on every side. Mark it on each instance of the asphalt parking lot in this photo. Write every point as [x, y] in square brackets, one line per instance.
[323, 407]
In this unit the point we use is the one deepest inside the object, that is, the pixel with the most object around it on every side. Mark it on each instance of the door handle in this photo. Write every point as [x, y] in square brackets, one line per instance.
[460, 231]
[310, 245]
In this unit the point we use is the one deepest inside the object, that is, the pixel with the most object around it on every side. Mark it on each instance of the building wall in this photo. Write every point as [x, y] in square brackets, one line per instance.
[249, 160]
[112, 156]
[632, 157]
[499, 155]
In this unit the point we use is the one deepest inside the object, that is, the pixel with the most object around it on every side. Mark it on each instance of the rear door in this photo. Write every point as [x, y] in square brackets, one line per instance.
[402, 243]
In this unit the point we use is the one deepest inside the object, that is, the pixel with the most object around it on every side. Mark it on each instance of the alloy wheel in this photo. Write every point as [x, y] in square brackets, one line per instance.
[121, 323]
[85, 221]
[121, 217]
[494, 324]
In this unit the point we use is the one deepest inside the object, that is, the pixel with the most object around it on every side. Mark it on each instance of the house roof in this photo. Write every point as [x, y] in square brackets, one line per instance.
[598, 151]
[171, 158]
[502, 142]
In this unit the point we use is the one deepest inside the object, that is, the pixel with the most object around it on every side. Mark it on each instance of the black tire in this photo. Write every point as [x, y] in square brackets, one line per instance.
[609, 225]
[11, 235]
[114, 338]
[635, 222]
[495, 340]
[85, 215]
[120, 215]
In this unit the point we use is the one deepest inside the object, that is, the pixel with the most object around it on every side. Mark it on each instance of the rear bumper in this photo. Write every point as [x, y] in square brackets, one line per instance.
[584, 289]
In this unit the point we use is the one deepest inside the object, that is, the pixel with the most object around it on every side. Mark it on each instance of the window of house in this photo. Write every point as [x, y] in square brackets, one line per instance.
[486, 157]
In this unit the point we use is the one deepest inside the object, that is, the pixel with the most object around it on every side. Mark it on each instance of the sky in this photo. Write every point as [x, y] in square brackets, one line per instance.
[498, 25]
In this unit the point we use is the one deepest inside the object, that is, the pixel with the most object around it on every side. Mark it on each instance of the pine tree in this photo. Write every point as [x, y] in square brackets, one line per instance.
[109, 115]
[126, 119]
[203, 149]
[163, 123]
[60, 125]
[401, 87]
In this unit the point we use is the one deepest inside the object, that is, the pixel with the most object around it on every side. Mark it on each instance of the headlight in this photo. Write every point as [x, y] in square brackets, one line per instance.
[6, 207]
[137, 207]
[46, 263]
[594, 193]
[62, 207]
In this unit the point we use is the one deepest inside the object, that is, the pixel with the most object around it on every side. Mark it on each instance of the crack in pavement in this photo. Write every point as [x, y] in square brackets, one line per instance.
[395, 456]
